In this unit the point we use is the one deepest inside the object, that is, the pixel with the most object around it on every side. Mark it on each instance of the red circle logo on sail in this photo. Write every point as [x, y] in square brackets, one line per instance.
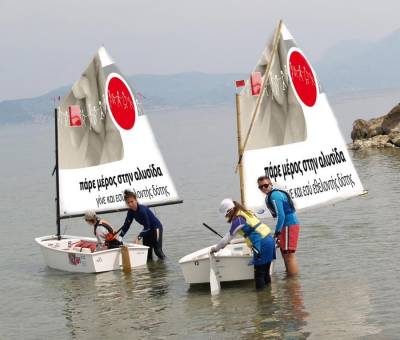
[121, 103]
[303, 78]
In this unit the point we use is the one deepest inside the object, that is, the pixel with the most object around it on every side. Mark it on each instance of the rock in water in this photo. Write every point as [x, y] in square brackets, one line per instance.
[391, 123]
[395, 138]
[378, 132]
[380, 141]
[360, 129]
[375, 127]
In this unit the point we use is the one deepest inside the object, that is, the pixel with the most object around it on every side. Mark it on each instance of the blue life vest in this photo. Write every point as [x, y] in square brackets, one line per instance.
[271, 207]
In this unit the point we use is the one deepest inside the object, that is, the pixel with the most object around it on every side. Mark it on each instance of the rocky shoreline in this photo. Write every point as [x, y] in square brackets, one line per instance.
[381, 132]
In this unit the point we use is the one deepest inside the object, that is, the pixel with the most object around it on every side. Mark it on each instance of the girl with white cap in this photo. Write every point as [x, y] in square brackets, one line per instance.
[257, 236]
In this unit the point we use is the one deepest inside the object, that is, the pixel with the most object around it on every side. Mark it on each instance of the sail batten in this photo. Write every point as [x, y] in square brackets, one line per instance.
[291, 133]
[106, 145]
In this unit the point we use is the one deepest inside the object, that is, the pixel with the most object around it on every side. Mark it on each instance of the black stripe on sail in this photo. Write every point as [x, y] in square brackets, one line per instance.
[122, 209]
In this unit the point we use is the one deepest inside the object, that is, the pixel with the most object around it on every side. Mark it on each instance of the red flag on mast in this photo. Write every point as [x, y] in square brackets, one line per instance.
[240, 83]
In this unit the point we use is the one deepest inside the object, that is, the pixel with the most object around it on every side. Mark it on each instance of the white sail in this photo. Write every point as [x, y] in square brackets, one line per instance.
[106, 145]
[295, 139]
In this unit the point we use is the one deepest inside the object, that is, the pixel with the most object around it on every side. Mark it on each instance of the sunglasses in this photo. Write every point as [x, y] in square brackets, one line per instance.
[263, 186]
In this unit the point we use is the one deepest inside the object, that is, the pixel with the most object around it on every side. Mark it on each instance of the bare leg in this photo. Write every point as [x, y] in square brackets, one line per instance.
[290, 263]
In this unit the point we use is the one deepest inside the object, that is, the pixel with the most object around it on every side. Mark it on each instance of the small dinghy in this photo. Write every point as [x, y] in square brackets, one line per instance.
[286, 131]
[231, 264]
[74, 254]
[104, 144]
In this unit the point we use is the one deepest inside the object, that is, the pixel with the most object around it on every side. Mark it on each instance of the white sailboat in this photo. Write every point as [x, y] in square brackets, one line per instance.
[286, 131]
[104, 145]
[230, 264]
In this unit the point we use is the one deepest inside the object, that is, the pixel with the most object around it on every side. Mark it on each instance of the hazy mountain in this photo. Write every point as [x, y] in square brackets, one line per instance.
[178, 90]
[21, 110]
[359, 65]
[348, 66]
[186, 89]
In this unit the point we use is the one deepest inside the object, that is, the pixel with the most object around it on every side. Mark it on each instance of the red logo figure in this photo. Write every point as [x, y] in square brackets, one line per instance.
[121, 103]
[255, 81]
[75, 115]
[73, 259]
[302, 78]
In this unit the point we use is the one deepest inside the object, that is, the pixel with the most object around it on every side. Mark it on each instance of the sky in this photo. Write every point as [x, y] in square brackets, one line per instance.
[47, 44]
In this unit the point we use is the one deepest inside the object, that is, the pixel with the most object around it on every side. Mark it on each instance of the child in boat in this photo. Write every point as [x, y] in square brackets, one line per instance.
[257, 235]
[152, 232]
[103, 231]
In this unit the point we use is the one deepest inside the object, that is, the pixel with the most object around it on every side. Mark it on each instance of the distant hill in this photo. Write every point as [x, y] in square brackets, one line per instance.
[346, 67]
[186, 89]
[29, 109]
[358, 65]
[159, 91]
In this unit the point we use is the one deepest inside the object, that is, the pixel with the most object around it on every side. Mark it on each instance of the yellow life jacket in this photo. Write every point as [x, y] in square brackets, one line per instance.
[253, 224]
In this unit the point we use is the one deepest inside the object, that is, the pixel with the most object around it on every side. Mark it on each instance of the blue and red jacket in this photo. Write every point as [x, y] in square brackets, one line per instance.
[281, 206]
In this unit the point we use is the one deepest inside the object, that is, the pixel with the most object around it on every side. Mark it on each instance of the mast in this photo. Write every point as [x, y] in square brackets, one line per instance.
[263, 86]
[57, 177]
[240, 148]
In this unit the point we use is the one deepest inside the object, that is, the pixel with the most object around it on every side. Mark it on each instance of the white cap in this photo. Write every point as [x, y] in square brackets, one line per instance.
[226, 205]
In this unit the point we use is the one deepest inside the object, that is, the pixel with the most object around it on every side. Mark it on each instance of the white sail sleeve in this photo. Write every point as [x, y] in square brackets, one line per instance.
[106, 145]
[295, 140]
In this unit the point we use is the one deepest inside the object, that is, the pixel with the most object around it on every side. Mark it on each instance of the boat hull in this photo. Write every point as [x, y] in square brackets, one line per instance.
[232, 264]
[61, 255]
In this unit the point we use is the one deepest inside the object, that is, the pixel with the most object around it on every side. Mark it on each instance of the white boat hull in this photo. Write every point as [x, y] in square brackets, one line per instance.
[60, 254]
[232, 264]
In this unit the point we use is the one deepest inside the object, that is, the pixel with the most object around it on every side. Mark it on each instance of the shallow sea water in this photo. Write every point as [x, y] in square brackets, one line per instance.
[347, 253]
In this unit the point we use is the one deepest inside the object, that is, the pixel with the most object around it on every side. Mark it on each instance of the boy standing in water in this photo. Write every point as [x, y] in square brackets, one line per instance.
[152, 228]
[287, 228]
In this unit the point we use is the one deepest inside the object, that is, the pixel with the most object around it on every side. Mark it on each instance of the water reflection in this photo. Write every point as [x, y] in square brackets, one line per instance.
[280, 312]
[110, 304]
[347, 255]
[340, 310]
[240, 311]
